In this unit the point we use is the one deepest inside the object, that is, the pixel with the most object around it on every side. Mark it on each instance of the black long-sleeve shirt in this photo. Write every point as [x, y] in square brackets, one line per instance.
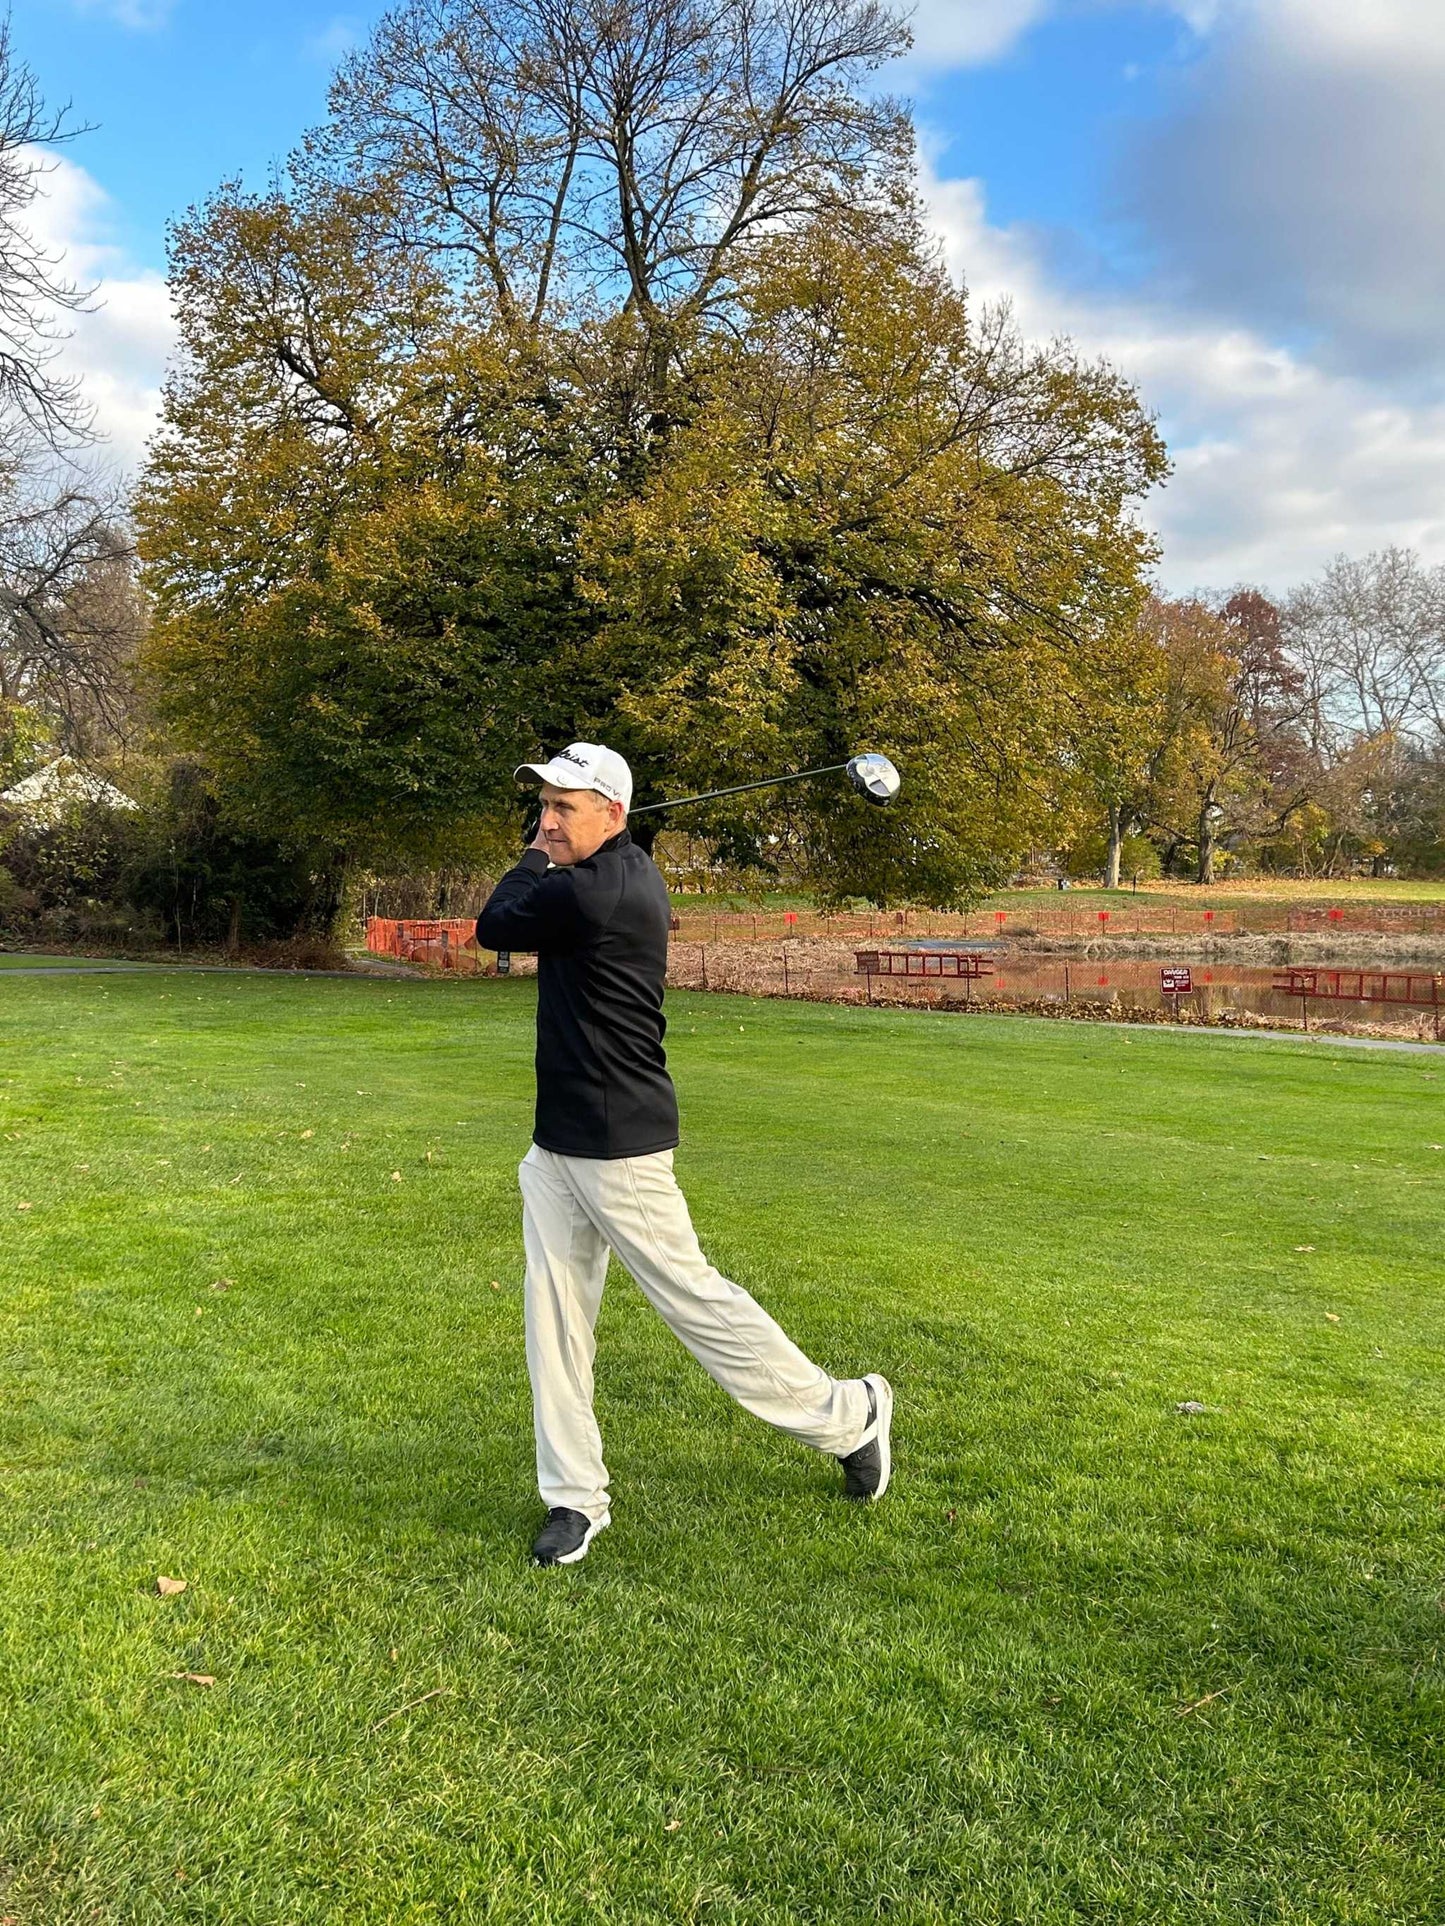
[599, 929]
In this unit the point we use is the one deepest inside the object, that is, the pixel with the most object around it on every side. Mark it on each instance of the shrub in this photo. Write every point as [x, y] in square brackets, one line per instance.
[205, 881]
[64, 871]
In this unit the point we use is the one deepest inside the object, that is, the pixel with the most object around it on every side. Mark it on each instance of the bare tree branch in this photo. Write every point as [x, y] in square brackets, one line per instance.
[34, 291]
[613, 154]
[71, 614]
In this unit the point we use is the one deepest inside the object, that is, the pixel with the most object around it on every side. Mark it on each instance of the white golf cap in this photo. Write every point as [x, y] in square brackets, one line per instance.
[584, 765]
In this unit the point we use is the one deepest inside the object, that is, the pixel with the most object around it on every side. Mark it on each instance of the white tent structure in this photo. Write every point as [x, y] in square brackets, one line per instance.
[46, 795]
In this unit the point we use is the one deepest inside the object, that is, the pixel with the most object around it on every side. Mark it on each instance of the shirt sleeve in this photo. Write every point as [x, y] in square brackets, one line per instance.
[534, 907]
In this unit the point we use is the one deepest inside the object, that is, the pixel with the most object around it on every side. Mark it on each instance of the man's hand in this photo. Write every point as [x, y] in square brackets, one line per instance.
[539, 841]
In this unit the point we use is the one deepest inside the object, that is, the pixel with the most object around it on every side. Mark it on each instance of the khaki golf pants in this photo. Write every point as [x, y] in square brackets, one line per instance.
[576, 1210]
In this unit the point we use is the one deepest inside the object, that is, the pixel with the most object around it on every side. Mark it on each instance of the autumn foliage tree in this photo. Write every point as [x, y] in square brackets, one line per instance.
[593, 374]
[1229, 754]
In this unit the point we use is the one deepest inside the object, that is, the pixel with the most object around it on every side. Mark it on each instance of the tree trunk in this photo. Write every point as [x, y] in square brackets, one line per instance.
[1206, 846]
[1116, 846]
[327, 897]
[233, 934]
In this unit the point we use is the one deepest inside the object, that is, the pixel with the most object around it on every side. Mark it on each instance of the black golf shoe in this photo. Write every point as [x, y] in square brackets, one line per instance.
[564, 1539]
[867, 1467]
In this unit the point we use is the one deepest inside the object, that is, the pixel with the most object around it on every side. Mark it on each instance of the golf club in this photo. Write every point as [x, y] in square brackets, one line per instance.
[872, 775]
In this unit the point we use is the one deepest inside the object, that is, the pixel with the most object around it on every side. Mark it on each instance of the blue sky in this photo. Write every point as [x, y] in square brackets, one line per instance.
[1237, 201]
[184, 94]
[181, 96]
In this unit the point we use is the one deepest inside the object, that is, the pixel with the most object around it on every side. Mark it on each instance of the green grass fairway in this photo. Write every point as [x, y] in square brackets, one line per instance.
[1091, 1660]
[28, 960]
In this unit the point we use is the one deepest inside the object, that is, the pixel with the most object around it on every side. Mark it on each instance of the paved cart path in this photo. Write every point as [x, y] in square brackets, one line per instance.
[181, 969]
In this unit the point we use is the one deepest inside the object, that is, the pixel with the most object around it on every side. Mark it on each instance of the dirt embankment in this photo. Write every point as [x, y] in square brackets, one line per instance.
[1335, 950]
[734, 959]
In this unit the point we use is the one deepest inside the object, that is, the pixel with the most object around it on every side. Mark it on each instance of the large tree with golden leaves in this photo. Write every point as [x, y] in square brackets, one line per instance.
[593, 375]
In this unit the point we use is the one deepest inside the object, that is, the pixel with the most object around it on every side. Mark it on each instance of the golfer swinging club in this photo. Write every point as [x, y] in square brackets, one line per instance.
[599, 1177]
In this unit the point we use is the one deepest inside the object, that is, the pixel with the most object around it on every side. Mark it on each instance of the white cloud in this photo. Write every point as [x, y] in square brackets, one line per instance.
[1297, 180]
[1280, 462]
[1288, 330]
[118, 349]
[965, 33]
[336, 39]
[970, 33]
[1363, 27]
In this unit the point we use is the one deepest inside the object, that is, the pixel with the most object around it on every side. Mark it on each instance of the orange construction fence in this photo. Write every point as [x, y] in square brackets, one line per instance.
[442, 942]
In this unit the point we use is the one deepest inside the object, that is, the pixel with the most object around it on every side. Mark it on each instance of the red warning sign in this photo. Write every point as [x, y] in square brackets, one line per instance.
[1176, 981]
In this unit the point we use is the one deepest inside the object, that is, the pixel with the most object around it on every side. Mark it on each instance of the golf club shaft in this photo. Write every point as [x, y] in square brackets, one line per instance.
[740, 789]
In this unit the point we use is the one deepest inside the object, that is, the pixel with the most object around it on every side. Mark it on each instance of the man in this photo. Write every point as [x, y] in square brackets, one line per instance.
[599, 1178]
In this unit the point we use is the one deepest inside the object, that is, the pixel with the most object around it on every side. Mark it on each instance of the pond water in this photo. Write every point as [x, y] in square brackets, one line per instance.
[1218, 988]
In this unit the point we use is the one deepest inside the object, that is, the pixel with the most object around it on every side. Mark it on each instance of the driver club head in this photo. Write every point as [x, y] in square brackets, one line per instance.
[874, 777]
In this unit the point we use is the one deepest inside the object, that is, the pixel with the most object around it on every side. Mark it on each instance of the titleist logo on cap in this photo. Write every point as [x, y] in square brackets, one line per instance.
[584, 765]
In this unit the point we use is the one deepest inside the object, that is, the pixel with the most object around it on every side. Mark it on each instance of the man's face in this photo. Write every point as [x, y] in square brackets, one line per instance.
[576, 823]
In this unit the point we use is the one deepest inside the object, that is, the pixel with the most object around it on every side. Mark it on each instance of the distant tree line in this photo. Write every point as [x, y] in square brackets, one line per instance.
[1305, 736]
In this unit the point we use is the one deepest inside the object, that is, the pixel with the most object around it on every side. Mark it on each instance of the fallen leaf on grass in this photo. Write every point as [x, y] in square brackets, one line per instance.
[1332, 1317]
[308, 1133]
[194, 1678]
[1191, 1408]
[171, 1587]
[223, 1283]
[672, 1825]
[396, 1176]
[24, 1207]
[1183, 1711]
[1304, 1247]
[495, 1285]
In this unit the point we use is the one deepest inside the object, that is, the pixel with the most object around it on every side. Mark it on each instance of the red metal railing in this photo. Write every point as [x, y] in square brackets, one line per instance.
[965, 965]
[1416, 987]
